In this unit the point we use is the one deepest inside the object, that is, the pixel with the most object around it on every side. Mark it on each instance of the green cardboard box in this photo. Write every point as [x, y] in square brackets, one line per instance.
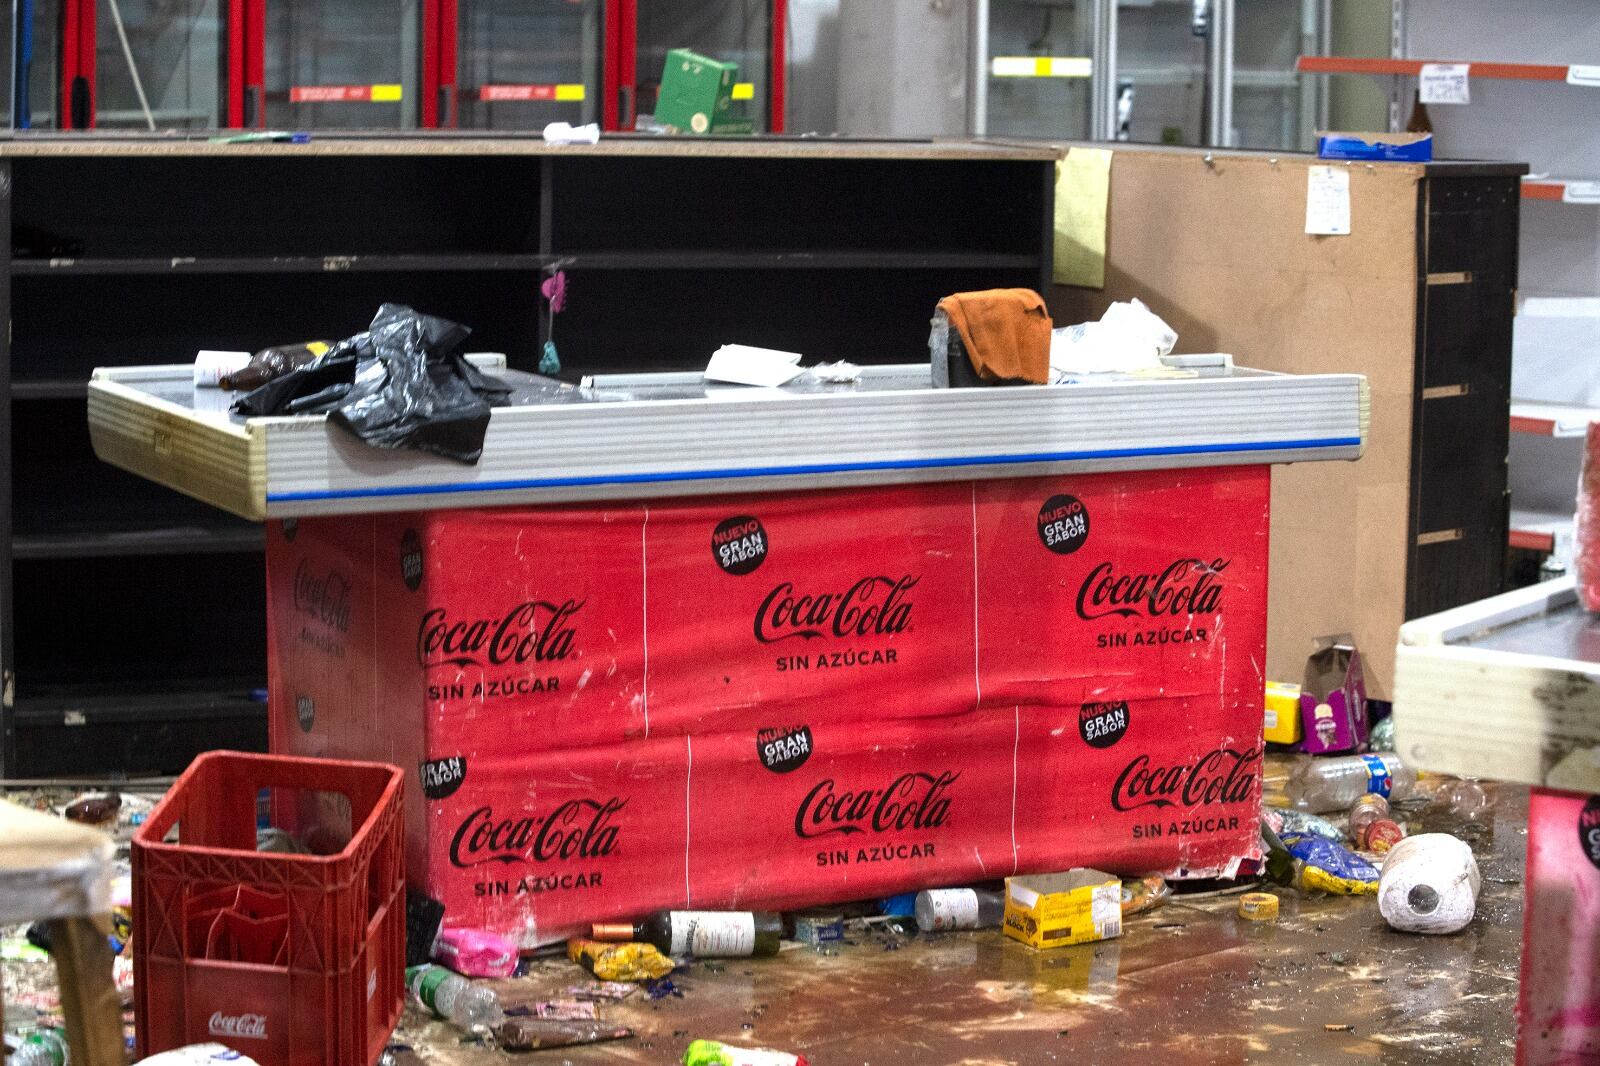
[697, 95]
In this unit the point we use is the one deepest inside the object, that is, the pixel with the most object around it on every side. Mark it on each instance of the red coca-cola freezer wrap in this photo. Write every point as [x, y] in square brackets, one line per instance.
[824, 604]
[1122, 585]
[538, 846]
[616, 708]
[1146, 785]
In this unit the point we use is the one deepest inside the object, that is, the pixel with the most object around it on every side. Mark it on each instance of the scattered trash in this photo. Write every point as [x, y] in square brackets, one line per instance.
[1258, 907]
[1144, 894]
[1333, 698]
[1364, 811]
[1430, 884]
[940, 910]
[279, 841]
[1464, 798]
[275, 362]
[662, 987]
[716, 1053]
[565, 1010]
[614, 991]
[745, 364]
[1300, 823]
[619, 962]
[454, 998]
[567, 133]
[818, 927]
[475, 953]
[98, 809]
[533, 1034]
[1325, 866]
[1282, 725]
[1382, 736]
[424, 916]
[1331, 784]
[1379, 836]
[835, 373]
[1339, 1027]
[703, 934]
[1127, 339]
[1056, 910]
[42, 1047]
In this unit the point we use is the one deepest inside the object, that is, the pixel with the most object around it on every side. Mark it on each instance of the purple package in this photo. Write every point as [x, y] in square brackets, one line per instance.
[1333, 700]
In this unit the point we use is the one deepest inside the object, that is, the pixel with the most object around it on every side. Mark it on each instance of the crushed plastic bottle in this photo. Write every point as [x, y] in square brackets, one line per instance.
[42, 1047]
[1330, 784]
[1430, 884]
[454, 998]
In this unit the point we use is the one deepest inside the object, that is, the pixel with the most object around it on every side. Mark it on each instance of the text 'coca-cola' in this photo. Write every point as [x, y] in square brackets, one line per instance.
[1185, 586]
[1221, 776]
[873, 606]
[578, 829]
[535, 630]
[911, 801]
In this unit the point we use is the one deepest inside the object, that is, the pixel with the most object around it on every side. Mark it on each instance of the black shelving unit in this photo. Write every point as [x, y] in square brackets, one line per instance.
[132, 618]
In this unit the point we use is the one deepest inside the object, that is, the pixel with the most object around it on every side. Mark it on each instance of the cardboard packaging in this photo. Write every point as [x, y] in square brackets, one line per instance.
[1282, 723]
[1333, 699]
[697, 94]
[1387, 147]
[1056, 910]
[789, 700]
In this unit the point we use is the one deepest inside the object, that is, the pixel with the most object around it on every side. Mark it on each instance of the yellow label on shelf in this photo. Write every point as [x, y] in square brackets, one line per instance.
[569, 92]
[1042, 67]
[385, 94]
[744, 90]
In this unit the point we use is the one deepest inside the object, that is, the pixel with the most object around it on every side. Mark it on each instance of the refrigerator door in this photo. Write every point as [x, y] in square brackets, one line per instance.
[746, 32]
[159, 64]
[342, 64]
[526, 63]
[1039, 72]
[1272, 105]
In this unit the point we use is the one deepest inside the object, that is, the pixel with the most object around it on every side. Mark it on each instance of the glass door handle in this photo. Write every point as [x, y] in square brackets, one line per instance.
[252, 106]
[625, 116]
[447, 101]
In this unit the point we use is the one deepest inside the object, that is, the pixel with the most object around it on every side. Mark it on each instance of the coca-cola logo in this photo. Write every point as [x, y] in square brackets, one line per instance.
[1063, 524]
[536, 630]
[1218, 777]
[783, 750]
[238, 1026]
[912, 801]
[578, 829]
[1589, 831]
[873, 606]
[441, 777]
[739, 544]
[1186, 586]
[411, 559]
[325, 597]
[1103, 724]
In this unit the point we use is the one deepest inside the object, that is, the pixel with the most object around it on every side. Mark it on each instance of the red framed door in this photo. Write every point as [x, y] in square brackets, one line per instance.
[75, 106]
[748, 32]
[335, 64]
[521, 64]
[140, 64]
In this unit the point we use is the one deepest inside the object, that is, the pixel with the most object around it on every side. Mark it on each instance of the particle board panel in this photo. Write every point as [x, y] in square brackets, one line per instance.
[1216, 245]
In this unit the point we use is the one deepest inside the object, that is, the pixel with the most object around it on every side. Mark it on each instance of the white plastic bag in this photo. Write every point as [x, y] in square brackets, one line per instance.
[1128, 338]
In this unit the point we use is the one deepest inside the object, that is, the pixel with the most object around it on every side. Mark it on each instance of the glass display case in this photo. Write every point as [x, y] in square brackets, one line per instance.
[523, 63]
[1038, 77]
[746, 32]
[339, 64]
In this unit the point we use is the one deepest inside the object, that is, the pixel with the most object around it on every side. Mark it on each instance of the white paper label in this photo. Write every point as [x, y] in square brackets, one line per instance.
[713, 934]
[953, 908]
[1105, 910]
[1445, 83]
[1587, 76]
[1328, 201]
[1581, 192]
[1272, 718]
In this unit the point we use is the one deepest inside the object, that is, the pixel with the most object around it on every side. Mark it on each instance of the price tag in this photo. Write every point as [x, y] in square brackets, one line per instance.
[1445, 83]
[1328, 201]
[1587, 76]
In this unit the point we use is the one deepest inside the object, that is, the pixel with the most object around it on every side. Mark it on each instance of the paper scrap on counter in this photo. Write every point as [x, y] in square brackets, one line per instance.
[1445, 83]
[211, 367]
[1328, 201]
[1587, 76]
[567, 133]
[1083, 189]
[744, 364]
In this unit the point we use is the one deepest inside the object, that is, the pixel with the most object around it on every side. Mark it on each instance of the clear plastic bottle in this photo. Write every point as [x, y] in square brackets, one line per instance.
[454, 998]
[1322, 785]
[942, 909]
[42, 1047]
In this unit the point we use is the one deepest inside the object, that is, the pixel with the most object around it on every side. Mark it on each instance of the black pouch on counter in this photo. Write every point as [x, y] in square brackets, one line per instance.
[952, 367]
[401, 384]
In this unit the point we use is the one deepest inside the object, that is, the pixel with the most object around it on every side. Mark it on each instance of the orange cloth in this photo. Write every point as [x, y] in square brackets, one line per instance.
[1006, 331]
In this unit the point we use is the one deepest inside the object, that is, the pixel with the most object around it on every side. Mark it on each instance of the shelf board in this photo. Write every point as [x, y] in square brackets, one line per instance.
[1413, 67]
[677, 259]
[169, 540]
[1551, 419]
[135, 708]
[1562, 190]
[694, 259]
[1540, 531]
[50, 389]
[278, 264]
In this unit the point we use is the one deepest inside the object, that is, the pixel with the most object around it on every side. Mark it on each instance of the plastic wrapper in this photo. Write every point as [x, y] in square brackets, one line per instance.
[1140, 894]
[476, 953]
[1290, 822]
[402, 384]
[619, 962]
[271, 363]
[1586, 526]
[1329, 867]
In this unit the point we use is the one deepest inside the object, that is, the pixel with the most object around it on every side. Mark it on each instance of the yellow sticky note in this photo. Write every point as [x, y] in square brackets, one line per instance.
[1083, 187]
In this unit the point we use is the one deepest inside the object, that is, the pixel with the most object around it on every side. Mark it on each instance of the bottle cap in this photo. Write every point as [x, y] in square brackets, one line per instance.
[612, 931]
[1258, 907]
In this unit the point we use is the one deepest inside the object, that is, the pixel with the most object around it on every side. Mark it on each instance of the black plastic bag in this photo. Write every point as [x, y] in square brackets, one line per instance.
[401, 384]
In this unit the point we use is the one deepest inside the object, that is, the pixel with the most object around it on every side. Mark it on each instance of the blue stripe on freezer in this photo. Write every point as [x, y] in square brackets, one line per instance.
[810, 468]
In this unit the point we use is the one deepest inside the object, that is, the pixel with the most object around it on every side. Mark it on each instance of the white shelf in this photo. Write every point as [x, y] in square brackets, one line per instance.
[1551, 419]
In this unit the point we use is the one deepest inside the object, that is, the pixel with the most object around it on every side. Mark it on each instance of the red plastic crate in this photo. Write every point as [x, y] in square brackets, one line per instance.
[312, 946]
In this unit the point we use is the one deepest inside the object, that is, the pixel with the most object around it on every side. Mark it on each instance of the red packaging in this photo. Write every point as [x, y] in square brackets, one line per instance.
[1010, 654]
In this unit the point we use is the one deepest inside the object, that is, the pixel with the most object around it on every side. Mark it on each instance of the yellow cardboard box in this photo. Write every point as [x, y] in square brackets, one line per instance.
[1054, 910]
[1283, 714]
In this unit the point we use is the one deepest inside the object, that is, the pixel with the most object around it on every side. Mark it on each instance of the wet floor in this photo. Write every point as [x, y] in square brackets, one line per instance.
[1191, 982]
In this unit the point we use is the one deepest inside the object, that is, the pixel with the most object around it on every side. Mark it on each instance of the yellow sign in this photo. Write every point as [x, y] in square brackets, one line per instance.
[569, 92]
[385, 94]
[1042, 67]
[744, 90]
[1083, 187]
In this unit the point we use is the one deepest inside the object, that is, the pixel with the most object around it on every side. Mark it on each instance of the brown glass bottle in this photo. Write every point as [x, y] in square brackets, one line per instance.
[1419, 122]
[706, 934]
